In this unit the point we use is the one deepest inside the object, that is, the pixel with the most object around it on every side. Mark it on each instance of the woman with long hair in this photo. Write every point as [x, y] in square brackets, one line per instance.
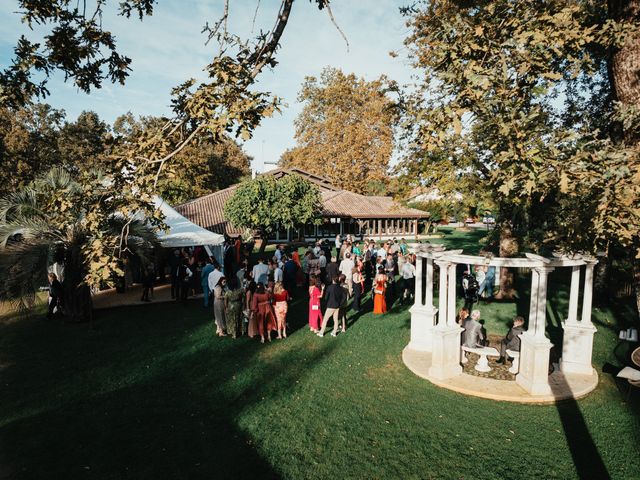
[358, 286]
[233, 308]
[265, 318]
[380, 291]
[250, 313]
[218, 307]
[280, 306]
[295, 256]
[315, 313]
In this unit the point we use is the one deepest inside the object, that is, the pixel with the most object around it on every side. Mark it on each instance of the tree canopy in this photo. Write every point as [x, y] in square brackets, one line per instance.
[345, 130]
[521, 97]
[265, 203]
[513, 93]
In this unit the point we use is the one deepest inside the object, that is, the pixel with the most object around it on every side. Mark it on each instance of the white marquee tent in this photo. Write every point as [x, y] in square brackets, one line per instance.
[184, 233]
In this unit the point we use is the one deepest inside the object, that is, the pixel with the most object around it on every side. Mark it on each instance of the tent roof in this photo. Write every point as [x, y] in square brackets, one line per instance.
[182, 232]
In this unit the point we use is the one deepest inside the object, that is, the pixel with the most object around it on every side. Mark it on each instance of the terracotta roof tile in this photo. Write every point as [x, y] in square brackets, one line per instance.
[208, 211]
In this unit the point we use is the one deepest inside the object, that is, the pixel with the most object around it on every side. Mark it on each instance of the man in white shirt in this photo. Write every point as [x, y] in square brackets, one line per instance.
[260, 272]
[278, 253]
[214, 278]
[346, 268]
[408, 274]
[278, 274]
[317, 249]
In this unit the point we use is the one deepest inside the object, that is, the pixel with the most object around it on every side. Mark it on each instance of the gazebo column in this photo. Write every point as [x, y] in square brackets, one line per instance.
[445, 357]
[534, 345]
[577, 342]
[423, 313]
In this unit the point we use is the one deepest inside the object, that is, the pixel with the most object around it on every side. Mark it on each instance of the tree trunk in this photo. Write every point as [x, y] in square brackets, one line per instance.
[77, 305]
[263, 241]
[601, 279]
[508, 248]
[625, 61]
[624, 68]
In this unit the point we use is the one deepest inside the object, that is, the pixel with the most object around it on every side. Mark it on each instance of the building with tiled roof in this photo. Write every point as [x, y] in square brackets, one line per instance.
[343, 212]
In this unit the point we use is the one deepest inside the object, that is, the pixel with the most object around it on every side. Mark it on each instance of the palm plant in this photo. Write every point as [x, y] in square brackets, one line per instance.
[55, 216]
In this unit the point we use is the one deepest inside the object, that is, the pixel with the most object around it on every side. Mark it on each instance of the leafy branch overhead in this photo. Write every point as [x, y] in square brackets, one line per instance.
[77, 44]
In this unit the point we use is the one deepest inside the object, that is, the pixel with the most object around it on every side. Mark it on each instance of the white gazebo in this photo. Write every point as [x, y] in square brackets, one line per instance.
[434, 351]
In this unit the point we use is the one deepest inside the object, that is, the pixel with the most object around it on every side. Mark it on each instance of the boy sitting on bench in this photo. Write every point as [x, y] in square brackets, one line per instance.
[512, 340]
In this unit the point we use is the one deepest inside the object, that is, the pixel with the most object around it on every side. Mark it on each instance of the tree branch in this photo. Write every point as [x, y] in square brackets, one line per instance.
[333, 20]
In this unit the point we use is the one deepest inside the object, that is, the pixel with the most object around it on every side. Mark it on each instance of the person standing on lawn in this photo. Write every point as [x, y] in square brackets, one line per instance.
[358, 286]
[379, 292]
[250, 312]
[233, 308]
[334, 295]
[265, 317]
[204, 280]
[342, 281]
[55, 295]
[218, 307]
[346, 269]
[148, 277]
[280, 307]
[408, 276]
[315, 314]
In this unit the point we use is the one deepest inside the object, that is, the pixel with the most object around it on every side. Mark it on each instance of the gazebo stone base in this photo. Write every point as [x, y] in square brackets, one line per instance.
[422, 320]
[563, 386]
[446, 352]
[577, 346]
[534, 364]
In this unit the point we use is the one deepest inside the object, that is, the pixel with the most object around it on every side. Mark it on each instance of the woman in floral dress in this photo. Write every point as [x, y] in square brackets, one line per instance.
[233, 308]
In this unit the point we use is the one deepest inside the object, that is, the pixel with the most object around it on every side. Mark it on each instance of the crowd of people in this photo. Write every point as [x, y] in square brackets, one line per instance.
[253, 298]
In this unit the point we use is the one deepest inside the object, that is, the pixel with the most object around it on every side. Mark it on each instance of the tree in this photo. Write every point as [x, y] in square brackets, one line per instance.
[76, 42]
[83, 144]
[491, 103]
[28, 144]
[203, 167]
[55, 216]
[345, 130]
[265, 203]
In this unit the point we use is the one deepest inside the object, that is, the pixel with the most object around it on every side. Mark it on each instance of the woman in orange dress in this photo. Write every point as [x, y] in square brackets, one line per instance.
[379, 292]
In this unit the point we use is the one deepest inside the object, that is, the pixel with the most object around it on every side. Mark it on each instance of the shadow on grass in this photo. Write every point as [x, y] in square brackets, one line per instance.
[584, 452]
[154, 396]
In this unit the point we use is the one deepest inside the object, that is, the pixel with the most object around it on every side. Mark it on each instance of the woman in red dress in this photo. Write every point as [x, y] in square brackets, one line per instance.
[265, 318]
[315, 314]
[280, 305]
[379, 292]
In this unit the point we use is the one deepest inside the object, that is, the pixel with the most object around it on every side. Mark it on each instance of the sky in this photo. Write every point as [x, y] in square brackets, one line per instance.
[168, 48]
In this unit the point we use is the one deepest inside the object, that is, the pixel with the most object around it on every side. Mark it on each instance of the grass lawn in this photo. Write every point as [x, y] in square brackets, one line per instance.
[150, 392]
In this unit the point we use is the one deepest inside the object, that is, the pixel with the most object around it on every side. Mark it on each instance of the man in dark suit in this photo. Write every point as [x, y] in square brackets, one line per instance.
[333, 270]
[55, 295]
[512, 340]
